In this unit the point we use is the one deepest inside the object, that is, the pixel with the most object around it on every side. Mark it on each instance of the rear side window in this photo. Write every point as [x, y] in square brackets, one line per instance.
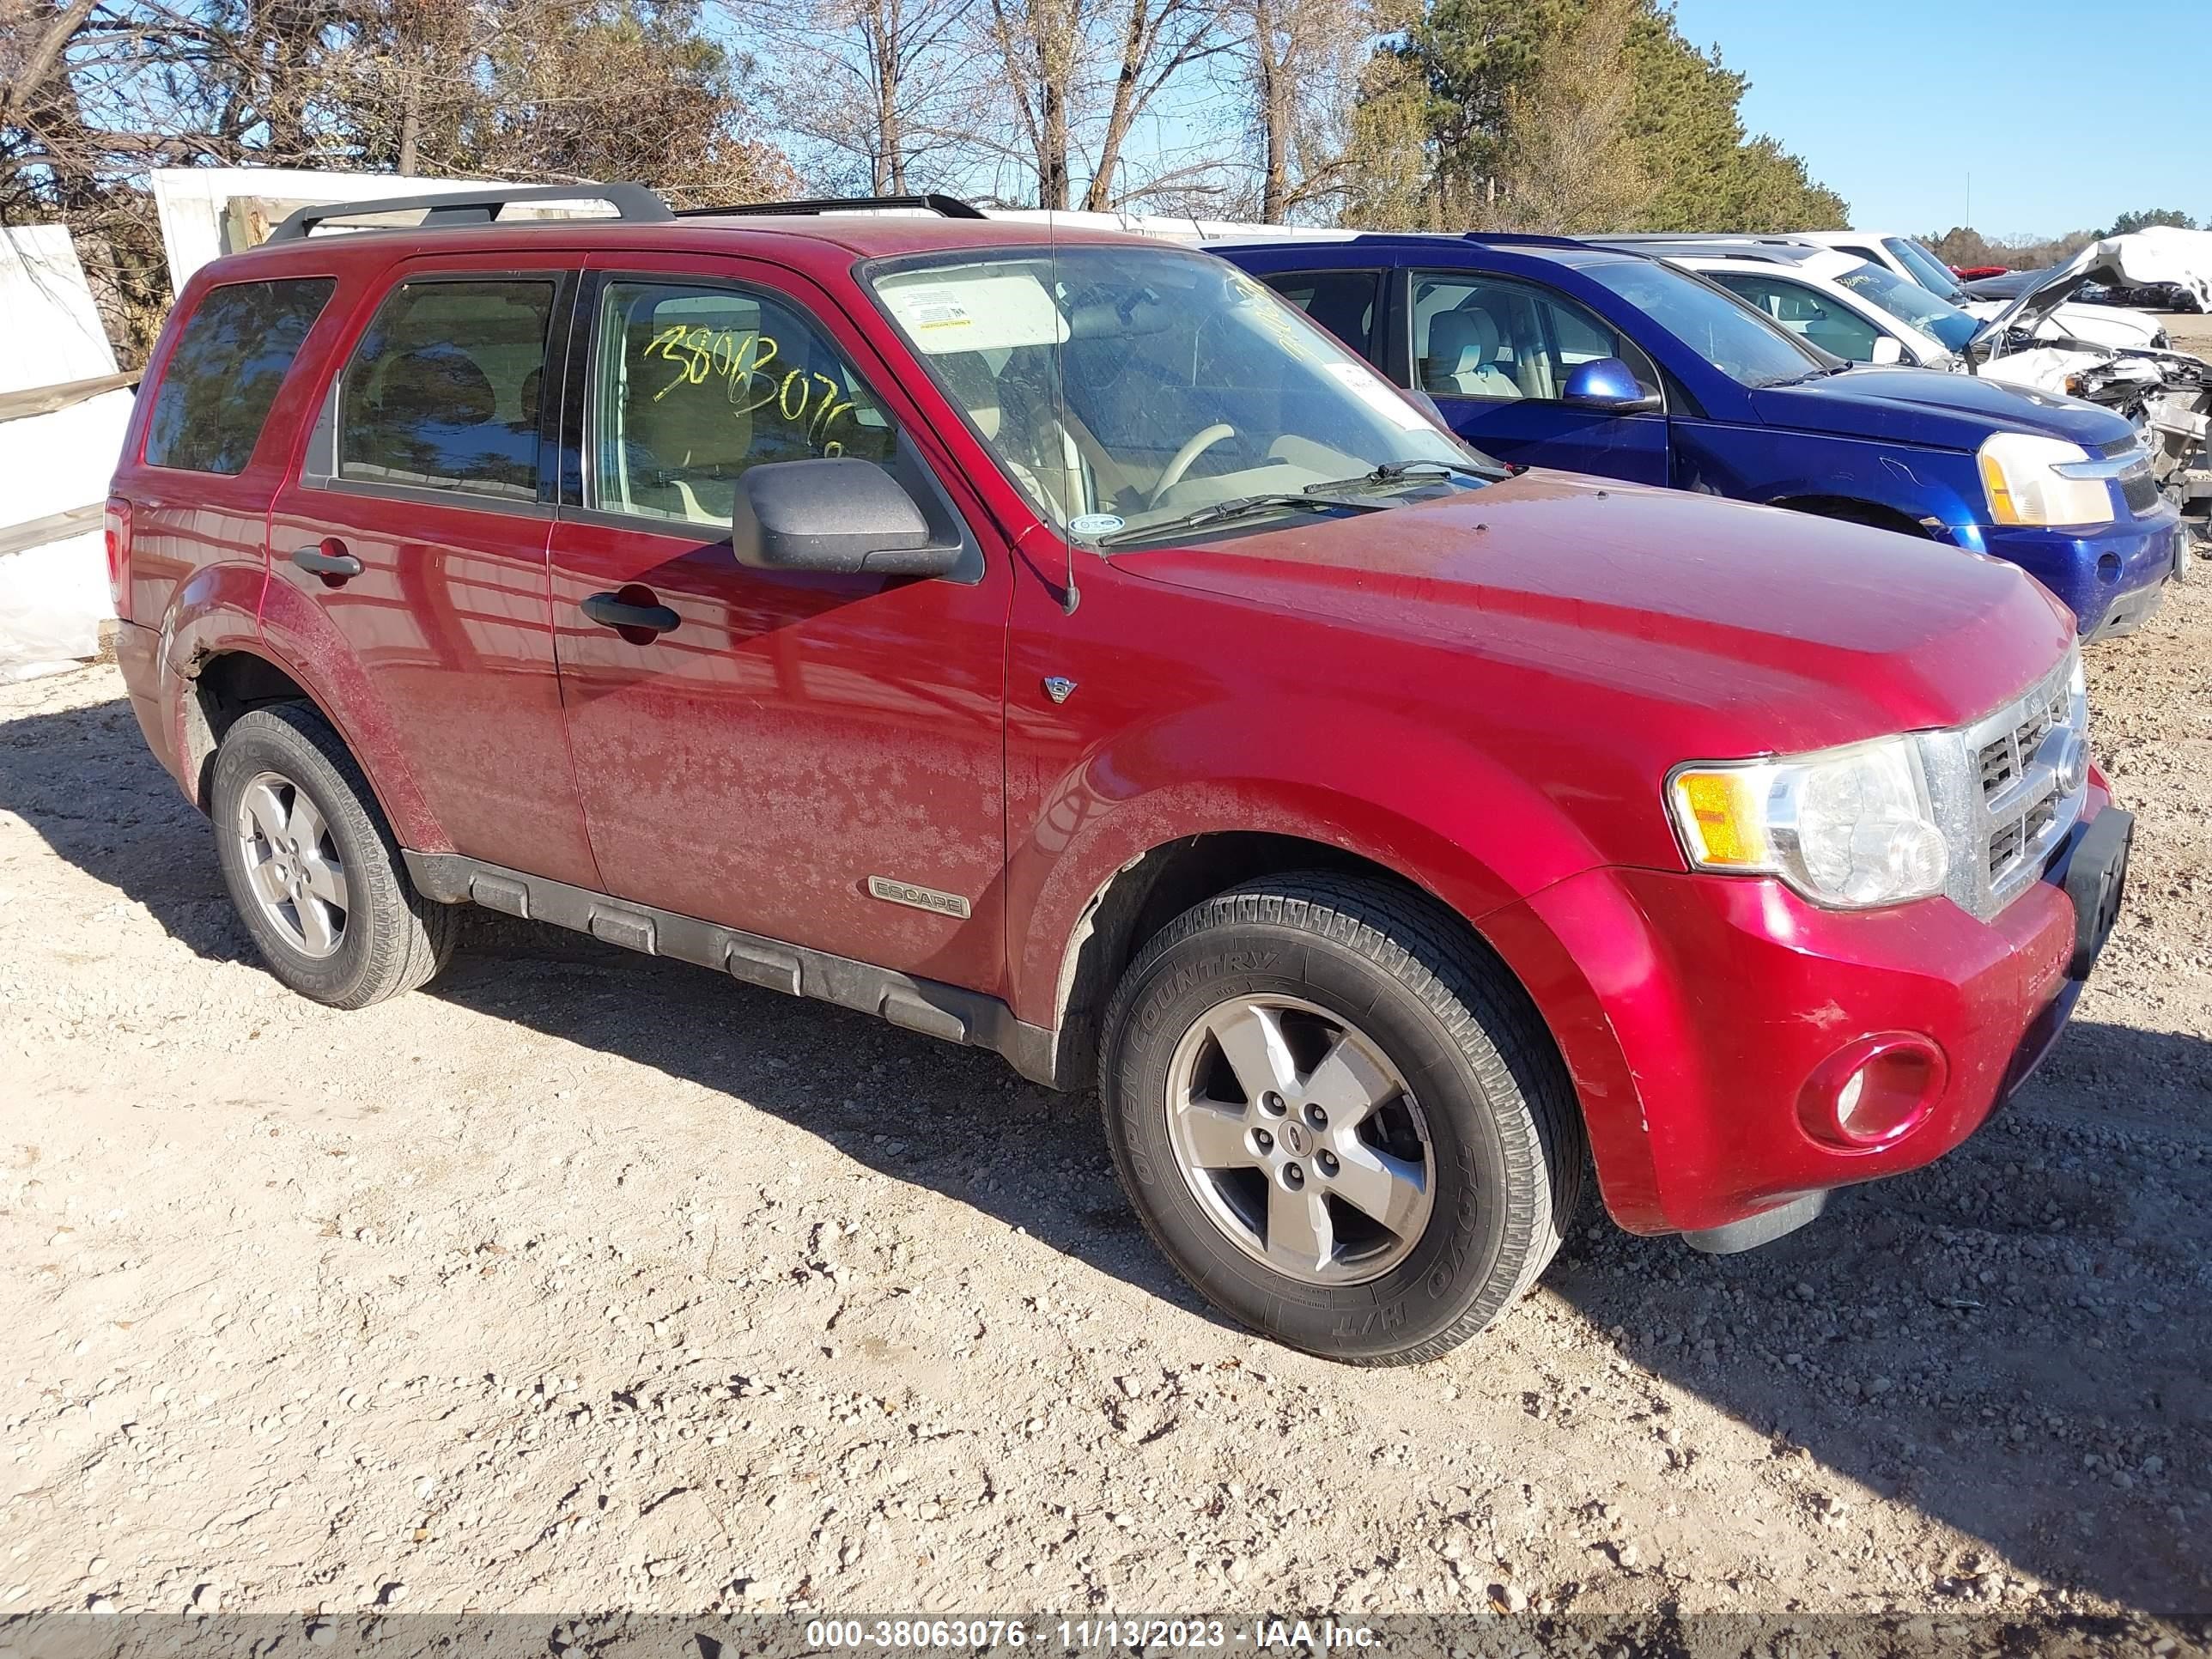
[232, 357]
[444, 390]
[1341, 301]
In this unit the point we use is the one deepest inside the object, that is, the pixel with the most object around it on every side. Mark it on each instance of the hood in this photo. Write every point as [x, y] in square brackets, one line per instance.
[1756, 629]
[2142, 258]
[1952, 411]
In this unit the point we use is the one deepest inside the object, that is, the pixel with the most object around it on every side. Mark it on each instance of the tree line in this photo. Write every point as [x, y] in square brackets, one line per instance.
[1556, 115]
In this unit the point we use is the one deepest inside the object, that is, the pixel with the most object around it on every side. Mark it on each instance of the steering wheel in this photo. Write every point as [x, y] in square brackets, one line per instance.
[1196, 446]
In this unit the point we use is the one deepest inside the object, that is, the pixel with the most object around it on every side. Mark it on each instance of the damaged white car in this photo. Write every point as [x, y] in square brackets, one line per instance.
[2167, 395]
[2100, 323]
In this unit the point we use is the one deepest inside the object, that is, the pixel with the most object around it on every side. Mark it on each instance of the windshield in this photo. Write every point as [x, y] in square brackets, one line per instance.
[1930, 272]
[1128, 388]
[1912, 303]
[1730, 335]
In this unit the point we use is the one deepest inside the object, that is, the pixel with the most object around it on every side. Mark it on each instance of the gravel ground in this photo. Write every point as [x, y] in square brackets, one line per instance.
[582, 1280]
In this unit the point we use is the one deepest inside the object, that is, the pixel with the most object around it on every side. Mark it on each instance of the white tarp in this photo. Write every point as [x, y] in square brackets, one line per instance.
[53, 333]
[54, 595]
[207, 212]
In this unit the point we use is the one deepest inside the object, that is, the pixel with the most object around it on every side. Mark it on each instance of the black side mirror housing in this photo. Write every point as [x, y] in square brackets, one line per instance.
[837, 515]
[1608, 384]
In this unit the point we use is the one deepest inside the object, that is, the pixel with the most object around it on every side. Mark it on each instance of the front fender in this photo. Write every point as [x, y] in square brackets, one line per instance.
[1771, 467]
[298, 637]
[1418, 801]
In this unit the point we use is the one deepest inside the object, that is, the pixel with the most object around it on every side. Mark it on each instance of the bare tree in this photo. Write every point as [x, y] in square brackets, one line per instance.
[1301, 61]
[1078, 75]
[872, 91]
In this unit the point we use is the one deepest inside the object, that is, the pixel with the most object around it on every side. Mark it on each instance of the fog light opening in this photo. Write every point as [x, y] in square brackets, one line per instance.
[1873, 1091]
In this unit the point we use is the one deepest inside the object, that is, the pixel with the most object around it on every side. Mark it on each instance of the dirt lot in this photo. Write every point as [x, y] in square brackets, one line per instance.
[582, 1280]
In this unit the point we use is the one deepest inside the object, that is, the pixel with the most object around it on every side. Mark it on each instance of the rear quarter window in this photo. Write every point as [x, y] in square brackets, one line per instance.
[229, 362]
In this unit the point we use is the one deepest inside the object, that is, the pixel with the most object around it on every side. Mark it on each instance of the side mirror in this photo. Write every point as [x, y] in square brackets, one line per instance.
[839, 514]
[1608, 384]
[1888, 349]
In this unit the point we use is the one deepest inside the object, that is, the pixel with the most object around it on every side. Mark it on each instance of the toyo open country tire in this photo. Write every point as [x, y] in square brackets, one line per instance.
[312, 866]
[1311, 975]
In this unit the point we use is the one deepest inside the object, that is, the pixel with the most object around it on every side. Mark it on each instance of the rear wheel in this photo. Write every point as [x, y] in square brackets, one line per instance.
[1340, 1118]
[314, 868]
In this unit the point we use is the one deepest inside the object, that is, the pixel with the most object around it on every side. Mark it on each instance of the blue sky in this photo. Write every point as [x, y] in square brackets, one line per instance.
[2065, 114]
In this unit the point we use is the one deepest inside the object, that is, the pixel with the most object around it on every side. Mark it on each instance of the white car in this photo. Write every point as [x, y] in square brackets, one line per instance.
[1862, 313]
[2109, 326]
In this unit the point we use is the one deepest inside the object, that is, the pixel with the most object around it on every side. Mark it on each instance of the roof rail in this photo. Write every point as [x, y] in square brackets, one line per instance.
[950, 207]
[633, 203]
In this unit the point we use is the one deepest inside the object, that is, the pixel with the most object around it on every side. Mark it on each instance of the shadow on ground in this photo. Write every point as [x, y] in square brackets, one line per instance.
[2013, 1340]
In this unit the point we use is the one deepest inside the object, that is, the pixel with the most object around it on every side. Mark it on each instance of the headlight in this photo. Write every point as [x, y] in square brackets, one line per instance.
[2032, 480]
[1849, 827]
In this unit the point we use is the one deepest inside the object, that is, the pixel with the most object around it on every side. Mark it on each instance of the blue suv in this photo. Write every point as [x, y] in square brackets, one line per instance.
[1554, 352]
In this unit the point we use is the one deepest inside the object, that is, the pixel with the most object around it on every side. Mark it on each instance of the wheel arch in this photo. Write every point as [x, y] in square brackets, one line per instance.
[1852, 509]
[1141, 897]
[299, 641]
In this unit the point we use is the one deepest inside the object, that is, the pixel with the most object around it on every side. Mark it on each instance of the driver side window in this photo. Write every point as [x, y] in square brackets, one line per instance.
[1501, 341]
[693, 384]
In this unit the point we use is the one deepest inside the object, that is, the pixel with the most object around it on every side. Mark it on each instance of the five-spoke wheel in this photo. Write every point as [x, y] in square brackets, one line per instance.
[292, 864]
[1298, 1135]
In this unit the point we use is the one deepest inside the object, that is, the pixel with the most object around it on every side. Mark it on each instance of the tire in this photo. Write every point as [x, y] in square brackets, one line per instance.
[384, 937]
[1412, 1000]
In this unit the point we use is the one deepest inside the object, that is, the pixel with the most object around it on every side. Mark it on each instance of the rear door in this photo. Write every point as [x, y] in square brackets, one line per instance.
[815, 758]
[418, 525]
[1496, 351]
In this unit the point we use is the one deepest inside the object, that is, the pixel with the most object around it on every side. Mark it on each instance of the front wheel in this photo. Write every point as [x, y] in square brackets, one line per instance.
[1340, 1118]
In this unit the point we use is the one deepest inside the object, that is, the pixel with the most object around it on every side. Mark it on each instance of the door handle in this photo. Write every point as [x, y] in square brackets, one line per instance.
[627, 618]
[328, 560]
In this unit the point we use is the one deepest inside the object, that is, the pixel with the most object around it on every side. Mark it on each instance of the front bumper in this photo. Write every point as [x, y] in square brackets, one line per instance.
[2111, 578]
[1693, 1010]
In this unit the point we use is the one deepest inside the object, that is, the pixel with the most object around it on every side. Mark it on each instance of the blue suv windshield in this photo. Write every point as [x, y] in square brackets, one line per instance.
[1727, 333]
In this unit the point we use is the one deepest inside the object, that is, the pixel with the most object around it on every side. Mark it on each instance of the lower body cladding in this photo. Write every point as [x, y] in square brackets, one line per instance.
[2112, 577]
[929, 1006]
[1740, 1053]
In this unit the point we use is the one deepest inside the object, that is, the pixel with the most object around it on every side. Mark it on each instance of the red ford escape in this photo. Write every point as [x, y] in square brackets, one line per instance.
[1057, 644]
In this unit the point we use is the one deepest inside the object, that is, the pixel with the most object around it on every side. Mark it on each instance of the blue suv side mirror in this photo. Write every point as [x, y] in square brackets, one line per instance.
[1608, 384]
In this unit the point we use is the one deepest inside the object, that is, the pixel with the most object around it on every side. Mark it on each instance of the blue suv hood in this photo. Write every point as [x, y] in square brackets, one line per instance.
[1921, 406]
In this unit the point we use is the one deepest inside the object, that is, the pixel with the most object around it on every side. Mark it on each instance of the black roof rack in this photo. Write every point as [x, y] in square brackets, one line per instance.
[950, 207]
[633, 203]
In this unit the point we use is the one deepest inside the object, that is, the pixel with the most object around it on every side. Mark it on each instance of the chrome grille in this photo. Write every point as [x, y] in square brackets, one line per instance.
[2009, 787]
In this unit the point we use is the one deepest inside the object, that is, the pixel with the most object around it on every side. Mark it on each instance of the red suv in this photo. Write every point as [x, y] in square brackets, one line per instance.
[1057, 643]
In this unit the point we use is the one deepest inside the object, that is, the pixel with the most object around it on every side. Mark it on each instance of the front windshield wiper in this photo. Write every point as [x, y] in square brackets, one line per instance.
[1820, 374]
[1395, 472]
[1238, 507]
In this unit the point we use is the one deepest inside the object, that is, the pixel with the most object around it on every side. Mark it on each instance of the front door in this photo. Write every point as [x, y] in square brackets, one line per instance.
[815, 758]
[418, 525]
[1495, 354]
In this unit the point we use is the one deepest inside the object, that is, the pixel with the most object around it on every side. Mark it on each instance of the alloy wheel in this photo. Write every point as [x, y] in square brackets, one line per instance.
[1300, 1140]
[292, 864]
